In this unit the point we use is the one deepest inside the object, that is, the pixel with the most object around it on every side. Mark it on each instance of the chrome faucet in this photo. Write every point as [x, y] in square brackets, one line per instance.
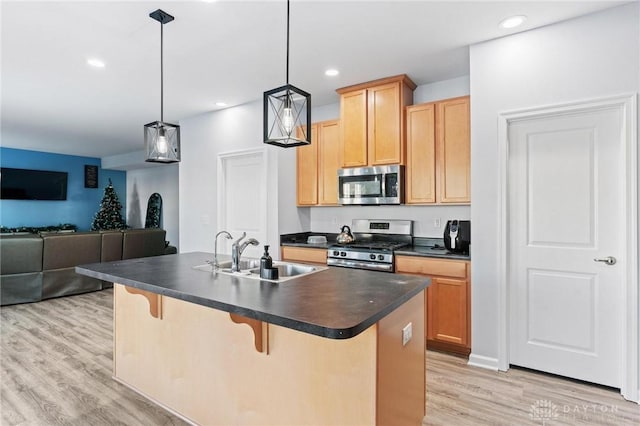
[237, 249]
[215, 263]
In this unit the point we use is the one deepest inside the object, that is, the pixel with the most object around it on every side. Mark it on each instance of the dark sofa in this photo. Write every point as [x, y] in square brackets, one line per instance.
[34, 268]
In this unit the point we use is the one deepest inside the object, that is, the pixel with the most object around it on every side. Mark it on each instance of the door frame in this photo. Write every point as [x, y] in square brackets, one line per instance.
[627, 103]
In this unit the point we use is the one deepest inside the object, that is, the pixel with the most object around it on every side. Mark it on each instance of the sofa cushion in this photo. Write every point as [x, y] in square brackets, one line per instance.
[143, 243]
[69, 250]
[111, 246]
[65, 281]
[20, 254]
[20, 288]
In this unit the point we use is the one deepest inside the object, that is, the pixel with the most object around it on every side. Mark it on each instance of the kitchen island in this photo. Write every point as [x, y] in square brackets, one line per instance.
[324, 348]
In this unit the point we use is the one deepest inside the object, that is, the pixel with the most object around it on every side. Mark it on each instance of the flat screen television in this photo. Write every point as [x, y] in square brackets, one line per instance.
[23, 184]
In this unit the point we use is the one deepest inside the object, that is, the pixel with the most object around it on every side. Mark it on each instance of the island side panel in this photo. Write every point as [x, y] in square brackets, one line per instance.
[200, 364]
[401, 368]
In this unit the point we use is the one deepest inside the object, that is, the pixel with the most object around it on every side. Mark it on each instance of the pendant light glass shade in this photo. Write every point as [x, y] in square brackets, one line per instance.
[161, 140]
[287, 112]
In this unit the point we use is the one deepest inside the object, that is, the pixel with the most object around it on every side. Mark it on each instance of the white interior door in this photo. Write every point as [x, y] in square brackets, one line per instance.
[242, 199]
[566, 204]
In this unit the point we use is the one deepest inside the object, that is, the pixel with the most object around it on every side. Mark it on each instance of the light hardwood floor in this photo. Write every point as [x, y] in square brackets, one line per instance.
[55, 369]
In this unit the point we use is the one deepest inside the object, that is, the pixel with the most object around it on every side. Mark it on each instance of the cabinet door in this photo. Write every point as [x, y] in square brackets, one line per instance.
[447, 315]
[353, 119]
[453, 150]
[329, 162]
[304, 254]
[307, 171]
[421, 154]
[384, 124]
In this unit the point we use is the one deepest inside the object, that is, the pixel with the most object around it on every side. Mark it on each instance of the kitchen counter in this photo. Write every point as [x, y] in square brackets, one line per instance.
[338, 346]
[421, 246]
[336, 303]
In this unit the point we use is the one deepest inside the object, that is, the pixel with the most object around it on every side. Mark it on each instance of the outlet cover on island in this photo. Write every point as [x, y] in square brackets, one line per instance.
[436, 223]
[407, 333]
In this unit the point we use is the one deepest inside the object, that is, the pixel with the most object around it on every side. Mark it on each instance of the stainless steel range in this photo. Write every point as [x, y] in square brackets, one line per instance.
[375, 241]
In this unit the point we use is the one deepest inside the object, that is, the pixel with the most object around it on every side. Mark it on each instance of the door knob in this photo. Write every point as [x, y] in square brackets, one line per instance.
[609, 260]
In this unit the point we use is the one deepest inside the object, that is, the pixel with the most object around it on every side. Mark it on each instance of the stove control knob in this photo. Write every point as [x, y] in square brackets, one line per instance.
[372, 256]
[336, 253]
[343, 253]
[380, 257]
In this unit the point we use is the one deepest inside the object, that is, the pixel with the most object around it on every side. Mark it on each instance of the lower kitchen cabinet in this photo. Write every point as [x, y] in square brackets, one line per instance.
[304, 254]
[447, 301]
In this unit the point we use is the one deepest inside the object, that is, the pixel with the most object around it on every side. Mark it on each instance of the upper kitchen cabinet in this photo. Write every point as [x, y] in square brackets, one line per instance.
[372, 121]
[329, 161]
[317, 166]
[438, 152]
[307, 170]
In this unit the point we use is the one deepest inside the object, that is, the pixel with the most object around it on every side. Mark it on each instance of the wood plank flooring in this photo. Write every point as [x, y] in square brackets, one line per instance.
[55, 369]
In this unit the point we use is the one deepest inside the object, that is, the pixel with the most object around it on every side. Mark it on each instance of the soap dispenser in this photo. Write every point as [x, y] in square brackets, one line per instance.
[266, 263]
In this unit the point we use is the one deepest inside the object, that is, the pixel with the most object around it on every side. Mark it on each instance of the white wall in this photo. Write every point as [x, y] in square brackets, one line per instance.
[204, 137]
[141, 183]
[331, 219]
[592, 56]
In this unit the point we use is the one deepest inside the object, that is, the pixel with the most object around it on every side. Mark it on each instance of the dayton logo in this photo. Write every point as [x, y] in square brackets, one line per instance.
[543, 410]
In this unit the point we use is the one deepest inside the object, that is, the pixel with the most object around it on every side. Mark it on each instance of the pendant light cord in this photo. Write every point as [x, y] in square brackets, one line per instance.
[287, 42]
[161, 74]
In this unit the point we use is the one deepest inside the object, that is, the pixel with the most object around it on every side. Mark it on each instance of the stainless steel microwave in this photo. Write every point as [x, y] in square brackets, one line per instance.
[371, 185]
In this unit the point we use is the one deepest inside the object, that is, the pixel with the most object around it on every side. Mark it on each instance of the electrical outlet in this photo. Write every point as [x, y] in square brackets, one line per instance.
[437, 223]
[334, 221]
[407, 333]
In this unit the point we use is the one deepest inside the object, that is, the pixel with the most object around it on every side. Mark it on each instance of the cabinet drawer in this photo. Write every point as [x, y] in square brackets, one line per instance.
[430, 266]
[303, 254]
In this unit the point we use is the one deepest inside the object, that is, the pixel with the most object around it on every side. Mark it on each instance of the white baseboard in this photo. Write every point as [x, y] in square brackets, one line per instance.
[483, 362]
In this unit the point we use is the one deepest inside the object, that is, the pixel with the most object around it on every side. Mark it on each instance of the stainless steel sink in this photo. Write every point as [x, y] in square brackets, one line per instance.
[250, 268]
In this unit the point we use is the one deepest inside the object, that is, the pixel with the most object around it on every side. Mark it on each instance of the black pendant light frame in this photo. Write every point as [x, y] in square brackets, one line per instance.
[153, 132]
[287, 128]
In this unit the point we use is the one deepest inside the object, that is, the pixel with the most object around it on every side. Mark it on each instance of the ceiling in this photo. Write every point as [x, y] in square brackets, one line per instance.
[220, 51]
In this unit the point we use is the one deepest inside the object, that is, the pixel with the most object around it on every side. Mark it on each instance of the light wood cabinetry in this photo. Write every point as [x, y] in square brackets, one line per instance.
[447, 301]
[372, 117]
[307, 170]
[215, 374]
[317, 165]
[304, 254]
[439, 152]
[328, 162]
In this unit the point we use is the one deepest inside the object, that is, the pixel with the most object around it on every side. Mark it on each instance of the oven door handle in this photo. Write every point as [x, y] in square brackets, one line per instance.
[386, 267]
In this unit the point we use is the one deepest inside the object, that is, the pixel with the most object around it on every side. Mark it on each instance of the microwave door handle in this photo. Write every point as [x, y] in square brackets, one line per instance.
[384, 185]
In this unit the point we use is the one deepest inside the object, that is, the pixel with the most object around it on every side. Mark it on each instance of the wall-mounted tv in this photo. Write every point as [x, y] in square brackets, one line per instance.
[23, 184]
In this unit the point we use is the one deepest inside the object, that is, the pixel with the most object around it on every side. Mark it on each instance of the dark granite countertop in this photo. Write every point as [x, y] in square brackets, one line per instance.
[430, 247]
[421, 246]
[336, 303]
[429, 252]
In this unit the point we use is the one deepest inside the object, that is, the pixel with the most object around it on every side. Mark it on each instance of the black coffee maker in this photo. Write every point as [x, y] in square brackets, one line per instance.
[457, 236]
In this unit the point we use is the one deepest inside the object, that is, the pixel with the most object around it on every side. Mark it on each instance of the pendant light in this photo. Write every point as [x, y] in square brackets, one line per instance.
[287, 112]
[162, 140]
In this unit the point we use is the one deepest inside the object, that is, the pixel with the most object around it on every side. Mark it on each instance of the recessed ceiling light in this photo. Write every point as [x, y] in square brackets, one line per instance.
[513, 21]
[331, 72]
[221, 104]
[94, 62]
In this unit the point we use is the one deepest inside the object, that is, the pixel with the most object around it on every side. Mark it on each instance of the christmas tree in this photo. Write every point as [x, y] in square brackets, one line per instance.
[109, 216]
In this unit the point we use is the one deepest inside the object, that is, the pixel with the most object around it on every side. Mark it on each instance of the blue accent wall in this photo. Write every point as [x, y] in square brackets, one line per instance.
[81, 203]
